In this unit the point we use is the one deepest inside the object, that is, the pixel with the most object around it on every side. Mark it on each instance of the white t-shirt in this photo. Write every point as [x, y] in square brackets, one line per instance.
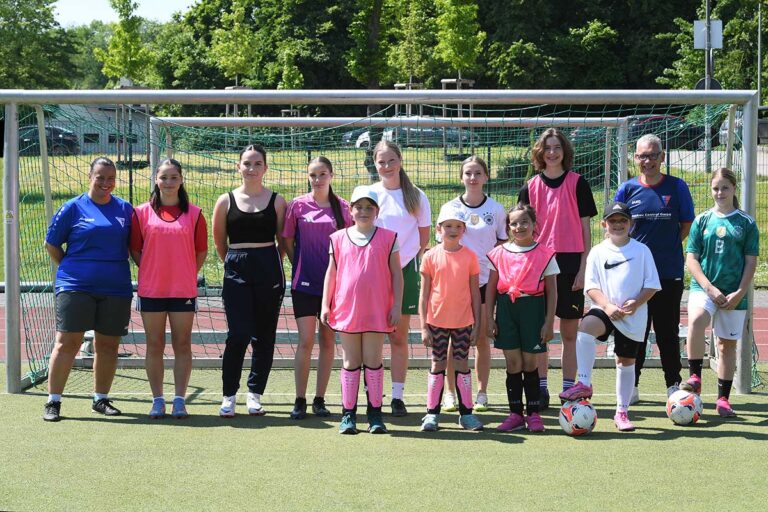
[393, 215]
[621, 273]
[486, 225]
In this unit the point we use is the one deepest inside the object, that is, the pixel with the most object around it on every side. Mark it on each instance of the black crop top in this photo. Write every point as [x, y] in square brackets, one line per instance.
[254, 227]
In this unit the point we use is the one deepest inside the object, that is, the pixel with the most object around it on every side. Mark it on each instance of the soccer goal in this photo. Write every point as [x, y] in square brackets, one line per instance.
[41, 172]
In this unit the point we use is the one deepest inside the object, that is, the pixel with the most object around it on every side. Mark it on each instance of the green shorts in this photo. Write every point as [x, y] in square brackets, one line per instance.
[411, 288]
[520, 323]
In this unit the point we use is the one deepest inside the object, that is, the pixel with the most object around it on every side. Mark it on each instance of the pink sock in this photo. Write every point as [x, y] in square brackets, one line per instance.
[374, 385]
[434, 390]
[350, 384]
[464, 390]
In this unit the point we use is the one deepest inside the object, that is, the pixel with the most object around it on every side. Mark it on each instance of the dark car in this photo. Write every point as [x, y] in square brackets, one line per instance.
[674, 132]
[762, 128]
[60, 142]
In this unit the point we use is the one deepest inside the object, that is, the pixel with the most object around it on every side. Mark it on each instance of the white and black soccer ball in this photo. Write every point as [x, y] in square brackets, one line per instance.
[684, 408]
[577, 417]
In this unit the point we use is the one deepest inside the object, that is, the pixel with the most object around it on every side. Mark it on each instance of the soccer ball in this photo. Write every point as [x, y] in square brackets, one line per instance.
[684, 408]
[577, 417]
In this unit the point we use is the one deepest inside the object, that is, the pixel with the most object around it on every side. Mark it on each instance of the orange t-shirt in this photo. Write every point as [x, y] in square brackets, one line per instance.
[450, 303]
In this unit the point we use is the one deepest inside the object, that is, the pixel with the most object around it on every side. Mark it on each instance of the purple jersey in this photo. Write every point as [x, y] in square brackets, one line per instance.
[311, 226]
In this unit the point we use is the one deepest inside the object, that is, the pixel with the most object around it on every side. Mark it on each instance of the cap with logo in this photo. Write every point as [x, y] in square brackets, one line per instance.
[617, 208]
[364, 192]
[447, 212]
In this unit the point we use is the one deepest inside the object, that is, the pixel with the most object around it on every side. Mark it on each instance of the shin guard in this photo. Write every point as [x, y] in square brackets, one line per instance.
[350, 385]
[435, 382]
[374, 386]
[464, 390]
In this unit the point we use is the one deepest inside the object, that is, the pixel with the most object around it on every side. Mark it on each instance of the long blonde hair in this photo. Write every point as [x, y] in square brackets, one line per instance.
[727, 174]
[411, 196]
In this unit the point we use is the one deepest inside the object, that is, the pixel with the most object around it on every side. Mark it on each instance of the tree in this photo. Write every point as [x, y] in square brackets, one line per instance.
[35, 51]
[126, 56]
[412, 54]
[86, 38]
[459, 38]
[234, 45]
[366, 60]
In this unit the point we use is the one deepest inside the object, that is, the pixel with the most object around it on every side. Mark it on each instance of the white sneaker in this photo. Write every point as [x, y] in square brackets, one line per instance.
[254, 405]
[481, 403]
[449, 402]
[671, 389]
[228, 406]
[635, 396]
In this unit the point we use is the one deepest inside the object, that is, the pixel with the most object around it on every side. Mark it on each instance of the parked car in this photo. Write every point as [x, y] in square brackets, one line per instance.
[583, 135]
[59, 141]
[418, 137]
[674, 131]
[762, 128]
[349, 138]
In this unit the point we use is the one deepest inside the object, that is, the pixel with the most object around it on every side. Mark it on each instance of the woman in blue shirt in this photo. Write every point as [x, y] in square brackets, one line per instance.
[93, 284]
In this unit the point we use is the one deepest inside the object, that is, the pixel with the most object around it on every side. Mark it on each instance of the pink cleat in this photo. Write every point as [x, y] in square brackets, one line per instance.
[513, 422]
[534, 422]
[622, 422]
[576, 392]
[692, 385]
[723, 408]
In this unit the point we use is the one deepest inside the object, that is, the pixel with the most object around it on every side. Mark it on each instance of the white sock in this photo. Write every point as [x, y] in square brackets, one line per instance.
[397, 390]
[625, 384]
[99, 396]
[54, 397]
[585, 357]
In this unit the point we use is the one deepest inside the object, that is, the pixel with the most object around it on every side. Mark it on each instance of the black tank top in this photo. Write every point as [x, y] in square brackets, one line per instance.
[254, 227]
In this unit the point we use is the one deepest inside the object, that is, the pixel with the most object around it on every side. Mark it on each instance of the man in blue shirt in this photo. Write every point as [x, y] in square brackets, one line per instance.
[662, 213]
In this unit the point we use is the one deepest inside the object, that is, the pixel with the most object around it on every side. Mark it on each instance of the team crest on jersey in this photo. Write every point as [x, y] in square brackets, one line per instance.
[474, 219]
[738, 231]
[666, 199]
[721, 231]
[121, 220]
[488, 218]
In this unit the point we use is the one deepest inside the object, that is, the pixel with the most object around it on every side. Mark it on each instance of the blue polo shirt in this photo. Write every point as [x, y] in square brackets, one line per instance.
[96, 237]
[657, 212]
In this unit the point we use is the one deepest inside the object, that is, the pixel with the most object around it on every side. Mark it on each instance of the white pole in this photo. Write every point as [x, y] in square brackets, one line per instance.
[11, 233]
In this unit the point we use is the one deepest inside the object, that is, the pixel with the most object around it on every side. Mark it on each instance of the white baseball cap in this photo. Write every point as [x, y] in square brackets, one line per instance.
[364, 192]
[448, 212]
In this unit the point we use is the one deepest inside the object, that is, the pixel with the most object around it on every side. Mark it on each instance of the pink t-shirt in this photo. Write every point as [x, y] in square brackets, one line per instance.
[557, 214]
[168, 257]
[450, 302]
[363, 295]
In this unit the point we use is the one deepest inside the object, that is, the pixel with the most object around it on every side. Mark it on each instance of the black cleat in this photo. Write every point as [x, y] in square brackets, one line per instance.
[104, 406]
[318, 407]
[299, 411]
[52, 411]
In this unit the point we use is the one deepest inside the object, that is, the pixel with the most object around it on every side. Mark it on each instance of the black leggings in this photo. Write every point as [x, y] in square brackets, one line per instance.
[253, 290]
[664, 313]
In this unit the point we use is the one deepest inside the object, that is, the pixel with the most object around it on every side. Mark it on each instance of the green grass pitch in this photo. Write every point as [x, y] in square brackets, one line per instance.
[88, 462]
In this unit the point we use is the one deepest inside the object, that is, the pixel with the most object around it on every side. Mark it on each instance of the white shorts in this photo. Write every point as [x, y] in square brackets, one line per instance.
[726, 323]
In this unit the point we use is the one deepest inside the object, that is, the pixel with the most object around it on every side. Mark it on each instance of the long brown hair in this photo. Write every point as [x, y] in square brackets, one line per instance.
[156, 202]
[727, 174]
[332, 198]
[537, 155]
[411, 196]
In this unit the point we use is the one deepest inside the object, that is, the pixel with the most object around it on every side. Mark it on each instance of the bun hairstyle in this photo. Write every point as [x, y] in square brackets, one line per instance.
[411, 196]
[101, 160]
[332, 197]
[156, 201]
[727, 174]
[537, 155]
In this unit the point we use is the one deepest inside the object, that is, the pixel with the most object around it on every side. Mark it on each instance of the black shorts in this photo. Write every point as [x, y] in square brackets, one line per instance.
[305, 304]
[570, 303]
[168, 304]
[622, 346]
[482, 293]
[82, 311]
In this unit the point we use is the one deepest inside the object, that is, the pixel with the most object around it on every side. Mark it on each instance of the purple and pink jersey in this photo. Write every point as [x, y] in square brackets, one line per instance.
[311, 226]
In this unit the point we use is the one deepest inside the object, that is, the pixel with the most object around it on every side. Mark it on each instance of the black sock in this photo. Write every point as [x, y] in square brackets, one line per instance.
[695, 366]
[724, 388]
[515, 392]
[532, 391]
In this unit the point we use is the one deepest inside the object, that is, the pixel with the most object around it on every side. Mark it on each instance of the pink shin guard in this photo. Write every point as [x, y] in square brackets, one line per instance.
[350, 384]
[434, 389]
[374, 385]
[464, 388]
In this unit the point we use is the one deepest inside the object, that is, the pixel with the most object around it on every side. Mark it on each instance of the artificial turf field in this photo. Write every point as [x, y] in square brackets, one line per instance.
[89, 462]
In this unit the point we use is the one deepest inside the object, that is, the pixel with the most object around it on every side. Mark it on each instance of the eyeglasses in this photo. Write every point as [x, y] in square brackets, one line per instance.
[651, 157]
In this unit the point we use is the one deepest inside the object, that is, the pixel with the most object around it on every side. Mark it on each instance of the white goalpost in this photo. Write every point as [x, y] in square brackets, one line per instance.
[616, 127]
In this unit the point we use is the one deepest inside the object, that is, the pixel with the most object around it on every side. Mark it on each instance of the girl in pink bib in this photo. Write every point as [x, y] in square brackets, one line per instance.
[169, 243]
[362, 298]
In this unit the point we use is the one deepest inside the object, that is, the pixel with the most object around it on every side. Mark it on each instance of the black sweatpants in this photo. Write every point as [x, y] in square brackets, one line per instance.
[664, 314]
[252, 293]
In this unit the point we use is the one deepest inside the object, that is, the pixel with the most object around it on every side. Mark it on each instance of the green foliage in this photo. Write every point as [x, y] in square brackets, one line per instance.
[366, 59]
[459, 38]
[412, 55]
[126, 56]
[234, 45]
[34, 51]
[86, 39]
